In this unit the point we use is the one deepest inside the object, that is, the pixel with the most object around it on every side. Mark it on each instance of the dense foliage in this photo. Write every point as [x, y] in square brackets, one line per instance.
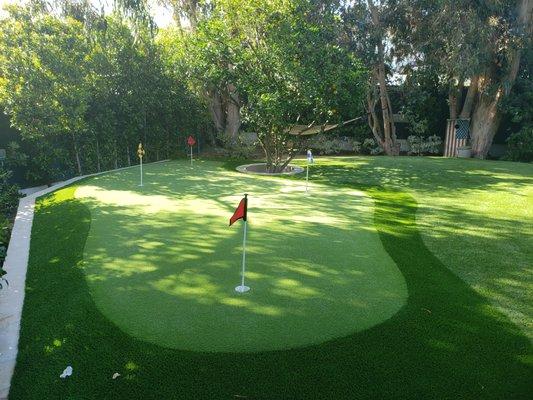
[85, 89]
[520, 108]
[465, 43]
[9, 197]
[84, 86]
[284, 64]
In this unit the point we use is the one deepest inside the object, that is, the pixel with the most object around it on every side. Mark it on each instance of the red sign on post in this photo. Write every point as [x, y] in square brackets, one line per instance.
[191, 141]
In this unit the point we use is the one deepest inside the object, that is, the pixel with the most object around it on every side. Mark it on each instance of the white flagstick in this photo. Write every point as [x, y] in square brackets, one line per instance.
[309, 161]
[245, 288]
[140, 153]
[191, 156]
[141, 171]
[242, 288]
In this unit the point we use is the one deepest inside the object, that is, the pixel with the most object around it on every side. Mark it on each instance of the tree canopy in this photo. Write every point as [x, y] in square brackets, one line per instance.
[84, 85]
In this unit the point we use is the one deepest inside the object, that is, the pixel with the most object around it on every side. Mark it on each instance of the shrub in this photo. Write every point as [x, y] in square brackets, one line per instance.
[325, 144]
[5, 230]
[520, 145]
[370, 146]
[9, 194]
[244, 148]
[424, 145]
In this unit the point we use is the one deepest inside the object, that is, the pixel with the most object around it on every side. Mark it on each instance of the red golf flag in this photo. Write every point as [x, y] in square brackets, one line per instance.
[191, 141]
[241, 211]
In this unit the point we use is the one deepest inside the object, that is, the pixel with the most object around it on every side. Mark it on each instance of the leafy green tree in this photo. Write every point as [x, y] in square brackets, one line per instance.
[43, 68]
[285, 60]
[84, 88]
[479, 43]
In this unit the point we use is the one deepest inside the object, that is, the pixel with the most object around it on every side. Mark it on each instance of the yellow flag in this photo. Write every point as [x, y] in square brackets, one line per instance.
[140, 151]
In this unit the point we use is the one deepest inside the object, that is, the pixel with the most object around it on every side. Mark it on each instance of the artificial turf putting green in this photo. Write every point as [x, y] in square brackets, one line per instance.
[162, 263]
[476, 216]
[447, 342]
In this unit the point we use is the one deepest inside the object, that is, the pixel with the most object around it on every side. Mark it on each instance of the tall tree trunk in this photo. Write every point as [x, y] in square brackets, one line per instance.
[486, 118]
[215, 107]
[452, 103]
[128, 154]
[459, 96]
[373, 120]
[470, 97]
[191, 11]
[268, 147]
[485, 123]
[233, 118]
[188, 9]
[384, 129]
[388, 123]
[455, 96]
[390, 146]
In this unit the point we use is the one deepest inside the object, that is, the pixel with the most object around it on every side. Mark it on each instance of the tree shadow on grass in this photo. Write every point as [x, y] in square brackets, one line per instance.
[486, 240]
[423, 174]
[447, 342]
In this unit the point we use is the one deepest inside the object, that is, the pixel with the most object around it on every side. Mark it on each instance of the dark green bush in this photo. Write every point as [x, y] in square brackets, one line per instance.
[520, 145]
[9, 194]
[424, 145]
[5, 231]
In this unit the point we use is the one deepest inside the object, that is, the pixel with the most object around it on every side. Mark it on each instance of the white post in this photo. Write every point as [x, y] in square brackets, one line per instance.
[244, 253]
[242, 288]
[191, 156]
[141, 171]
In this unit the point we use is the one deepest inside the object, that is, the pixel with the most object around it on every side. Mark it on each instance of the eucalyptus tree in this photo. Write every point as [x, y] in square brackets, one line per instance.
[367, 35]
[510, 30]
[474, 43]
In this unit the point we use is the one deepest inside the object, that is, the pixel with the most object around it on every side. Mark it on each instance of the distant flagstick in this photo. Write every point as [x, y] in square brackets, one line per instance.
[140, 153]
[310, 160]
[241, 213]
[191, 142]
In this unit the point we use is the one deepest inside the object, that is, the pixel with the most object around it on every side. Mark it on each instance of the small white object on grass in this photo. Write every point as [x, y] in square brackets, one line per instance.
[66, 372]
[116, 375]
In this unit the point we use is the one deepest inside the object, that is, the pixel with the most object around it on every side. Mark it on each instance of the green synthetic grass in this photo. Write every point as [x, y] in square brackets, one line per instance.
[448, 341]
[475, 216]
[162, 262]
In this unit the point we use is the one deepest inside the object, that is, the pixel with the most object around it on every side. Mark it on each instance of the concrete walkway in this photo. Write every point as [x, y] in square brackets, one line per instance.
[35, 189]
[12, 296]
